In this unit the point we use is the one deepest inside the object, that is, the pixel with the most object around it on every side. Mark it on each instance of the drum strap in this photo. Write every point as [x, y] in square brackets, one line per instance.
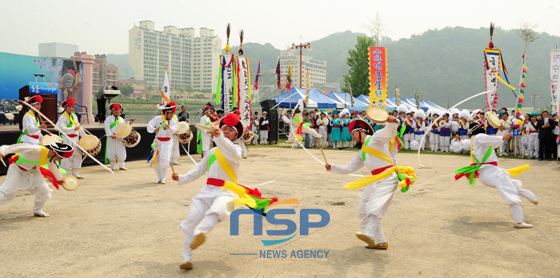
[117, 121]
[70, 118]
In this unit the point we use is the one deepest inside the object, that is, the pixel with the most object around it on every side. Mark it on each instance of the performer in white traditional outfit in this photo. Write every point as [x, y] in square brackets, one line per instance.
[299, 124]
[215, 201]
[68, 123]
[175, 153]
[205, 139]
[434, 132]
[31, 127]
[533, 142]
[322, 122]
[409, 133]
[164, 128]
[287, 119]
[382, 185]
[485, 165]
[115, 150]
[27, 171]
[464, 116]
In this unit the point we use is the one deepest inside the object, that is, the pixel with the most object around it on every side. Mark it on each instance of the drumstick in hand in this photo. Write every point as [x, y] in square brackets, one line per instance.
[172, 170]
[324, 157]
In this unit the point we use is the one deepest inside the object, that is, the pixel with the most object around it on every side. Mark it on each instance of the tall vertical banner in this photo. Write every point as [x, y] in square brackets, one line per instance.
[244, 90]
[378, 76]
[226, 91]
[289, 77]
[522, 87]
[165, 89]
[554, 79]
[492, 62]
[256, 87]
[278, 82]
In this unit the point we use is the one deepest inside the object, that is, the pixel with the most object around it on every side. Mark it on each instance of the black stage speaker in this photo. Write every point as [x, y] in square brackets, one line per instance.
[272, 118]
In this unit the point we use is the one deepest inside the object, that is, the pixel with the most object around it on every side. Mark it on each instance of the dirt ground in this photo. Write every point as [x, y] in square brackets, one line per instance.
[124, 225]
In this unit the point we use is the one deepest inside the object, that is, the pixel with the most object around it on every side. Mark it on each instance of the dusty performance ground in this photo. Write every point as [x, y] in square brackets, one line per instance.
[124, 225]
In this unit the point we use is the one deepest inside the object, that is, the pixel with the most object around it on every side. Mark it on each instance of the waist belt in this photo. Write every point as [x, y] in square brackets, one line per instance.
[33, 136]
[336, 126]
[23, 169]
[215, 182]
[72, 135]
[163, 138]
[380, 170]
[419, 133]
[534, 131]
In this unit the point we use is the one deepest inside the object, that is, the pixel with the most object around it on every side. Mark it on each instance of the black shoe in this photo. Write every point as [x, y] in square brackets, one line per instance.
[540, 159]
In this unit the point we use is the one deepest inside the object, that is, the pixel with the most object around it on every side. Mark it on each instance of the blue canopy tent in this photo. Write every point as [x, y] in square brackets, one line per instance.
[316, 99]
[346, 100]
[408, 102]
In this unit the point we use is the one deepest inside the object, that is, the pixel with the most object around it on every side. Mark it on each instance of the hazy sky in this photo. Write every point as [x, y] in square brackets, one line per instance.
[102, 26]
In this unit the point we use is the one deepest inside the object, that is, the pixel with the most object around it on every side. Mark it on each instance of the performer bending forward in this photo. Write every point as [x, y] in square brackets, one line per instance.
[381, 186]
[27, 171]
[485, 165]
[214, 202]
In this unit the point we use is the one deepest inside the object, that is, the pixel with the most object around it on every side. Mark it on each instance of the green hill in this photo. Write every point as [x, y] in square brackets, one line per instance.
[442, 65]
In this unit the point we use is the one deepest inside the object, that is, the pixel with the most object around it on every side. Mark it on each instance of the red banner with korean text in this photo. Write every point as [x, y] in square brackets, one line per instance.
[378, 76]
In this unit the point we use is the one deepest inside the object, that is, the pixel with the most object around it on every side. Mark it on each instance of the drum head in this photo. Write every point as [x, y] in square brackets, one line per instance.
[123, 130]
[493, 119]
[182, 127]
[88, 142]
[70, 183]
[48, 139]
[204, 128]
[377, 114]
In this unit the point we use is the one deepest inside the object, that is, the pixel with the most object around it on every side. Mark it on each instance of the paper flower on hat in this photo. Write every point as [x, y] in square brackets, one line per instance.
[115, 106]
[174, 109]
[69, 102]
[34, 99]
[232, 120]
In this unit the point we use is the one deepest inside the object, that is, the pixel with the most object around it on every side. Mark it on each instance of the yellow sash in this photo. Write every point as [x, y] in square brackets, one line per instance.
[364, 181]
[244, 198]
[71, 119]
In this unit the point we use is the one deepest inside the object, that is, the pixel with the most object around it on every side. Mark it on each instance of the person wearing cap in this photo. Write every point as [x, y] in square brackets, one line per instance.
[69, 124]
[485, 167]
[264, 127]
[322, 122]
[164, 127]
[175, 152]
[214, 202]
[419, 128]
[255, 128]
[434, 133]
[409, 125]
[115, 149]
[344, 123]
[31, 127]
[375, 155]
[28, 169]
[533, 142]
[204, 138]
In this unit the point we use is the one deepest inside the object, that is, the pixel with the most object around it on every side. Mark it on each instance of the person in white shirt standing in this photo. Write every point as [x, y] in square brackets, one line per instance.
[115, 149]
[69, 124]
[205, 139]
[31, 128]
[164, 128]
[322, 122]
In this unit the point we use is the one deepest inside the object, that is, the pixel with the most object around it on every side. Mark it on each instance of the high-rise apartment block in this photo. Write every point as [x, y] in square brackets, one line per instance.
[190, 60]
[317, 69]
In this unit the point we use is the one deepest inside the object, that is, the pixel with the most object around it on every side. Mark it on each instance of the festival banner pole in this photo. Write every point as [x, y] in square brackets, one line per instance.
[554, 79]
[378, 76]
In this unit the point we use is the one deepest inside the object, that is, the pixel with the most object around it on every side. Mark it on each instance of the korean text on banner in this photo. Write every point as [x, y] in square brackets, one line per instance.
[378, 76]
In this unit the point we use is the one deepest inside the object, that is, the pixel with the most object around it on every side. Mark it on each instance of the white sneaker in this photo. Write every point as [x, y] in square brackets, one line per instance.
[523, 225]
[163, 181]
[40, 214]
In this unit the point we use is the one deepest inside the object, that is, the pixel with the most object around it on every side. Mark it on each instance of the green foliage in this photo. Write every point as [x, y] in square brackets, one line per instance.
[190, 89]
[358, 74]
[126, 90]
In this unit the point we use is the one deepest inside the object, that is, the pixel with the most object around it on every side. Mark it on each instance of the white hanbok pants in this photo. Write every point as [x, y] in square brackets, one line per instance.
[533, 145]
[19, 180]
[116, 150]
[374, 203]
[163, 159]
[509, 188]
[75, 161]
[175, 153]
[210, 206]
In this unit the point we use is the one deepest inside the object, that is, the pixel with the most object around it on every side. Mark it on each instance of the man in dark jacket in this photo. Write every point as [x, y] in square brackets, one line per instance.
[264, 128]
[546, 126]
